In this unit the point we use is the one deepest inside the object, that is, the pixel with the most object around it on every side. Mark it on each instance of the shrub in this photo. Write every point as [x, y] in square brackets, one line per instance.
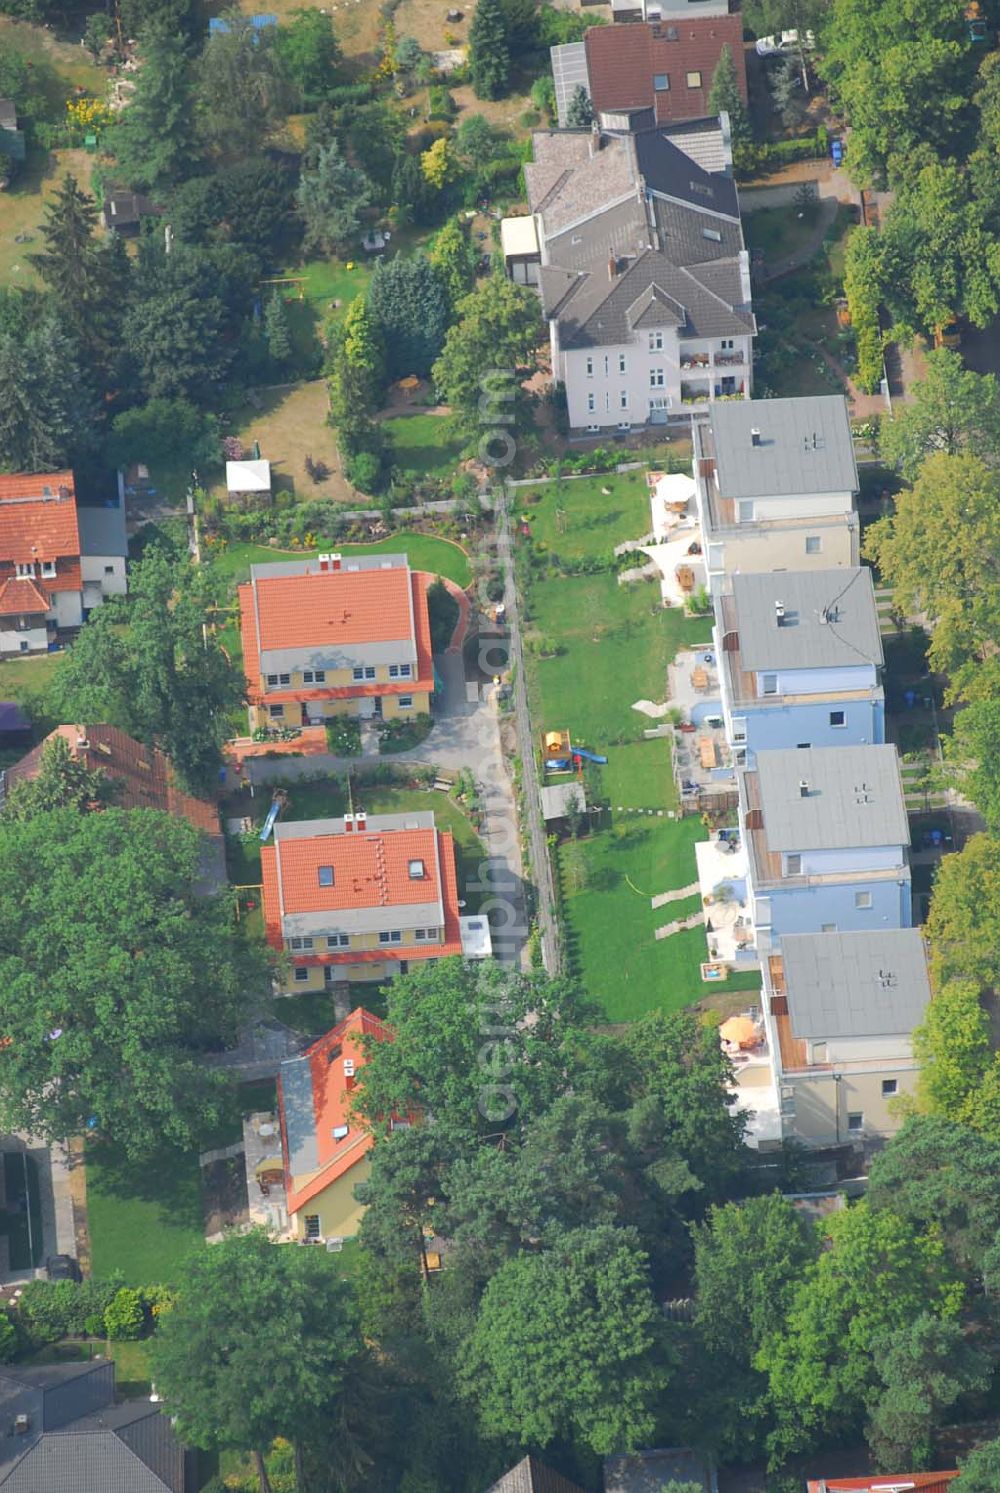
[125, 1315]
[64, 1308]
[343, 736]
[363, 470]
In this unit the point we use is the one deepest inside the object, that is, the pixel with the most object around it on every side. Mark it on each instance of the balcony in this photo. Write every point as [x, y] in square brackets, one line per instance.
[695, 362]
[692, 395]
[729, 360]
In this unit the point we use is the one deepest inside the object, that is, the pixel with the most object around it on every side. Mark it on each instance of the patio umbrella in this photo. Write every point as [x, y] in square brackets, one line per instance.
[739, 1030]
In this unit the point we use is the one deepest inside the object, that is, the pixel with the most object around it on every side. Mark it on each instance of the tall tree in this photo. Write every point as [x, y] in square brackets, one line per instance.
[48, 406]
[580, 113]
[145, 663]
[964, 915]
[310, 53]
[493, 339]
[958, 1068]
[260, 1344]
[242, 88]
[409, 304]
[950, 409]
[877, 1275]
[980, 1471]
[725, 95]
[88, 278]
[154, 140]
[936, 552]
[925, 1366]
[489, 53]
[109, 1002]
[569, 1344]
[331, 197]
[277, 331]
[972, 757]
[61, 783]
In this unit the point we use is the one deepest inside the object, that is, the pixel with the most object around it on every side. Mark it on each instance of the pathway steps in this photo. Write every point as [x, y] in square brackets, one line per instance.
[696, 920]
[665, 897]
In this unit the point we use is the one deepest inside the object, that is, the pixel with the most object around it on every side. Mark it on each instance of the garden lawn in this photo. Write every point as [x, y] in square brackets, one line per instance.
[780, 231]
[23, 206]
[145, 1220]
[421, 443]
[618, 641]
[290, 422]
[607, 884]
[424, 552]
[25, 679]
[638, 776]
[585, 517]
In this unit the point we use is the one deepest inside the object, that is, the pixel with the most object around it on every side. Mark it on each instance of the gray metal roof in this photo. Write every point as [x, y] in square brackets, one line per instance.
[804, 446]
[532, 1476]
[870, 984]
[300, 1117]
[853, 798]
[372, 919]
[569, 72]
[559, 799]
[102, 530]
[829, 619]
[306, 829]
[311, 565]
[94, 1462]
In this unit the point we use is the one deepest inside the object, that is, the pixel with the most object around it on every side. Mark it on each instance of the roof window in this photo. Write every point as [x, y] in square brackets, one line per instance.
[326, 876]
[417, 870]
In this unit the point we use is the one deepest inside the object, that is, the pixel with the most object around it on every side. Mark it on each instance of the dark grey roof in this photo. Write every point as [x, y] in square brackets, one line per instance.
[102, 530]
[853, 798]
[12, 717]
[805, 446]
[869, 984]
[646, 1472]
[8, 114]
[532, 1476]
[300, 1115]
[703, 140]
[569, 72]
[829, 619]
[68, 1462]
[670, 171]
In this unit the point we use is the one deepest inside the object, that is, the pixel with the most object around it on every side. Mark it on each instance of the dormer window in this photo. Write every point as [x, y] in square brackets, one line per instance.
[418, 870]
[25, 572]
[48, 569]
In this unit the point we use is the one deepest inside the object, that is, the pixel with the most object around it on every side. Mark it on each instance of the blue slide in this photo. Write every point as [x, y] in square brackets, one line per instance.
[590, 756]
[272, 815]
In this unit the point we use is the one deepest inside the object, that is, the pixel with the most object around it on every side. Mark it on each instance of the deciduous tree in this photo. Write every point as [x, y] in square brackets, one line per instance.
[310, 53]
[493, 341]
[925, 1366]
[965, 913]
[243, 89]
[980, 1471]
[950, 409]
[62, 783]
[117, 975]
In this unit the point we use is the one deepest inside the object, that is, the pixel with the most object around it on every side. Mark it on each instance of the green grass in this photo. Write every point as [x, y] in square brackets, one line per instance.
[577, 519]
[638, 776]
[27, 679]
[143, 1220]
[421, 443]
[313, 1013]
[424, 551]
[780, 231]
[618, 641]
[132, 1370]
[607, 882]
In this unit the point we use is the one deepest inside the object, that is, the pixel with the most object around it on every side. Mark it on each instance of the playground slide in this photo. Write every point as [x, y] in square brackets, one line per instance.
[268, 825]
[590, 756]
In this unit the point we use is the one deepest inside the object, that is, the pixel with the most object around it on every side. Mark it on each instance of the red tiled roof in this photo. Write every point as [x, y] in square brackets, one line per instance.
[370, 869]
[332, 1092]
[339, 607]
[20, 596]
[122, 757]
[420, 582]
[926, 1482]
[38, 527]
[623, 60]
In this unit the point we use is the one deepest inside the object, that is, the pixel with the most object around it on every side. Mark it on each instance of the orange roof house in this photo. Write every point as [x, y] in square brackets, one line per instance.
[324, 1149]
[323, 637]
[41, 579]
[903, 1482]
[360, 898]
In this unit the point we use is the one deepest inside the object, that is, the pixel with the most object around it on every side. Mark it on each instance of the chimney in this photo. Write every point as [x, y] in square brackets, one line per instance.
[63, 490]
[335, 560]
[324, 562]
[361, 819]
[612, 267]
[348, 824]
[348, 1073]
[779, 612]
[803, 788]
[755, 437]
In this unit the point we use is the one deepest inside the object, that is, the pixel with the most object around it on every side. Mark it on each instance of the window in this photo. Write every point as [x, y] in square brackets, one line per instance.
[272, 679]
[862, 900]
[325, 874]
[656, 342]
[109, 570]
[49, 568]
[739, 728]
[393, 671]
[659, 402]
[312, 1225]
[856, 1122]
[803, 746]
[369, 672]
[358, 673]
[417, 870]
[301, 974]
[623, 400]
[661, 82]
[793, 865]
[712, 234]
[828, 927]
[621, 362]
[284, 678]
[656, 378]
[814, 544]
[22, 646]
[277, 712]
[337, 941]
[694, 79]
[769, 684]
[889, 1087]
[406, 702]
[746, 510]
[590, 367]
[838, 717]
[591, 404]
[313, 676]
[300, 943]
[405, 670]
[727, 344]
[607, 365]
[25, 570]
[392, 937]
[420, 934]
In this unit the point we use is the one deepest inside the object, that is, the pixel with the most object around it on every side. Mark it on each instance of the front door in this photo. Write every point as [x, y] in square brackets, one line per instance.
[378, 707]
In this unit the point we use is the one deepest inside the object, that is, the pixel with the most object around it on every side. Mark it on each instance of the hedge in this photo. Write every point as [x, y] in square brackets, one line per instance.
[863, 290]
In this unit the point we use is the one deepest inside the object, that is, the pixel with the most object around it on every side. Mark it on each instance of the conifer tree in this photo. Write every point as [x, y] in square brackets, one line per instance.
[489, 54]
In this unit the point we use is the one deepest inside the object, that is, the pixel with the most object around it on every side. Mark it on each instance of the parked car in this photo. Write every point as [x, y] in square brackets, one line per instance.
[62, 1267]
[788, 41]
[837, 152]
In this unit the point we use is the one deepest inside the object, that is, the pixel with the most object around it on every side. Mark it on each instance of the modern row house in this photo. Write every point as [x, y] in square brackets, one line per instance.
[324, 637]
[636, 245]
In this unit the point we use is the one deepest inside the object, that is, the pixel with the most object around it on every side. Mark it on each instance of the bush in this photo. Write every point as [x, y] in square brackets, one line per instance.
[861, 283]
[442, 105]
[8, 1338]
[125, 1315]
[343, 736]
[363, 470]
[64, 1308]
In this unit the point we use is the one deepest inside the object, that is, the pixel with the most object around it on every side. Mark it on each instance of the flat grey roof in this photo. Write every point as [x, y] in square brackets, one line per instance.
[306, 829]
[805, 447]
[300, 1116]
[102, 530]
[854, 798]
[870, 984]
[829, 619]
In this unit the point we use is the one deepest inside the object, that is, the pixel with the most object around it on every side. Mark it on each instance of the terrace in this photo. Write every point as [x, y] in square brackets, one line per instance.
[756, 1094]
[722, 882]
[677, 551]
[265, 1172]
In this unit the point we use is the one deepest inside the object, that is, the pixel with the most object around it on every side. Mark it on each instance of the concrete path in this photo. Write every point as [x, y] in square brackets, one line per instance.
[684, 891]
[696, 920]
